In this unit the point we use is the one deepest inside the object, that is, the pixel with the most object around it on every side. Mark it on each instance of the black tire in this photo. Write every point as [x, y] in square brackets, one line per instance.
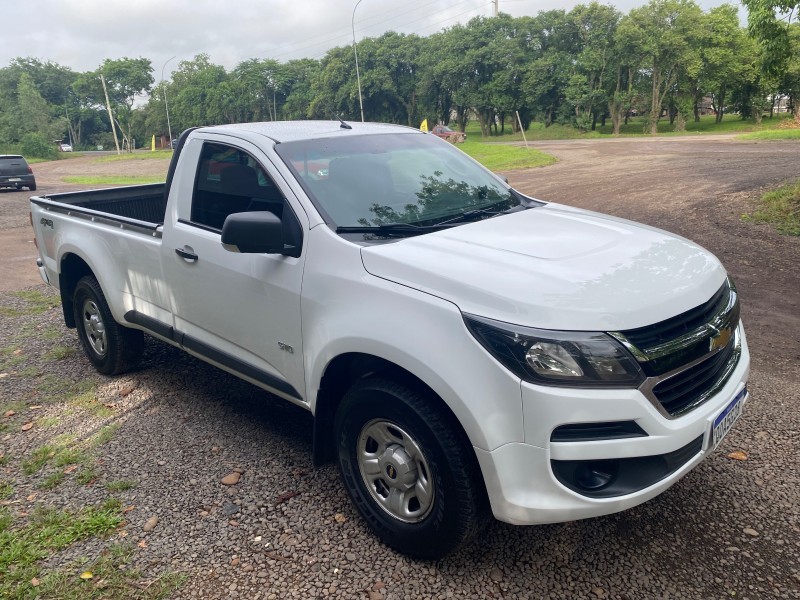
[436, 456]
[111, 348]
[32, 187]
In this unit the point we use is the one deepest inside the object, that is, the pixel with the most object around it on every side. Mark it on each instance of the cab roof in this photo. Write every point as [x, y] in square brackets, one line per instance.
[293, 131]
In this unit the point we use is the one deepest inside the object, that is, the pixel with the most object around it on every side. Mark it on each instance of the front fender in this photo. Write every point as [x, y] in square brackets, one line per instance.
[347, 310]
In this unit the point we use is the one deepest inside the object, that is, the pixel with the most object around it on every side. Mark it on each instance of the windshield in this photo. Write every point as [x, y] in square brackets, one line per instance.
[375, 180]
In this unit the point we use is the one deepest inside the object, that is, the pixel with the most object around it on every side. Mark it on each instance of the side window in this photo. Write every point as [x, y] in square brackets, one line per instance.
[230, 181]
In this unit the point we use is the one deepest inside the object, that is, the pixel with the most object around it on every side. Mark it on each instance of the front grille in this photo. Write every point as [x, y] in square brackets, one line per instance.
[669, 329]
[688, 389]
[680, 357]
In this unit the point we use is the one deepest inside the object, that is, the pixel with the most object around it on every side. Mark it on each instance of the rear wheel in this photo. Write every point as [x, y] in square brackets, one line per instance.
[110, 347]
[32, 187]
[408, 468]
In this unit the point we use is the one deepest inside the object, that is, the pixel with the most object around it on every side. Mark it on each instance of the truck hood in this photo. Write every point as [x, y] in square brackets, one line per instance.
[555, 267]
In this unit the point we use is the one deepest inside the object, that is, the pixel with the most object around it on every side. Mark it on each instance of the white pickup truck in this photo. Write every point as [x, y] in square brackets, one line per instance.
[464, 349]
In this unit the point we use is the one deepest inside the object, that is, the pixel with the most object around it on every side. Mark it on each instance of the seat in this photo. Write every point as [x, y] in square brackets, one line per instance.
[239, 180]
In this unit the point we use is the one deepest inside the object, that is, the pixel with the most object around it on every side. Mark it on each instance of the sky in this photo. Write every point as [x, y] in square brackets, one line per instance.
[80, 34]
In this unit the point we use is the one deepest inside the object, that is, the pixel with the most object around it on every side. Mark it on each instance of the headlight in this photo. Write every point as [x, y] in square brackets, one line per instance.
[562, 358]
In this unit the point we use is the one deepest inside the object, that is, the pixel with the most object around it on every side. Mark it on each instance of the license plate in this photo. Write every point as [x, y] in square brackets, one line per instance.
[15, 179]
[725, 420]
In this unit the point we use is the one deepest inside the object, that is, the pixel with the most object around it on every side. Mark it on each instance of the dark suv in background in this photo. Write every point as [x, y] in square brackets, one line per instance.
[15, 172]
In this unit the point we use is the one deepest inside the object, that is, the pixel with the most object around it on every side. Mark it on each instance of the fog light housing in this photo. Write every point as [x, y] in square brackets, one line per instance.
[596, 475]
[609, 478]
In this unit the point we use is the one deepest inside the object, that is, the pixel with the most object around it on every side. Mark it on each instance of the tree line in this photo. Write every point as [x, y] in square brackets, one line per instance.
[667, 59]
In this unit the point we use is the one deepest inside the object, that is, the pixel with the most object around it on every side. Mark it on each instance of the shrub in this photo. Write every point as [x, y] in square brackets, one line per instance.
[35, 146]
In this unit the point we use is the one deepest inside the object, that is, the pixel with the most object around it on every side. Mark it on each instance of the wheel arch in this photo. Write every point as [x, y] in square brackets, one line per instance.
[340, 374]
[72, 268]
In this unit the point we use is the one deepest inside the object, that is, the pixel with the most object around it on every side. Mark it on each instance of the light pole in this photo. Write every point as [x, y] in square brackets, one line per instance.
[166, 106]
[355, 49]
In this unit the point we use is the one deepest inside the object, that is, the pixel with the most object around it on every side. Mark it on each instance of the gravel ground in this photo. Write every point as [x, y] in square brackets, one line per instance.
[730, 529]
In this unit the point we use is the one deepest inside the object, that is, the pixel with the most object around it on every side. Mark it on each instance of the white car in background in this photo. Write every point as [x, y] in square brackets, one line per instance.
[65, 147]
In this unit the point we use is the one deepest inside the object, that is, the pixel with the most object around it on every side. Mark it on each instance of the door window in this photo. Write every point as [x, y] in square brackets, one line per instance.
[229, 181]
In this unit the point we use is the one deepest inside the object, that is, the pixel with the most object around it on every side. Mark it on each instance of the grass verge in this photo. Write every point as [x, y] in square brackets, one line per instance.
[635, 128]
[772, 134]
[781, 208]
[158, 154]
[497, 157]
[113, 179]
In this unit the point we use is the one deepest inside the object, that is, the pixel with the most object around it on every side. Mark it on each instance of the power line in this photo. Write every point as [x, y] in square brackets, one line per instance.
[346, 36]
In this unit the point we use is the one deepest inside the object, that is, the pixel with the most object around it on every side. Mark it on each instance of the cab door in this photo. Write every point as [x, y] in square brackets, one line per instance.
[238, 311]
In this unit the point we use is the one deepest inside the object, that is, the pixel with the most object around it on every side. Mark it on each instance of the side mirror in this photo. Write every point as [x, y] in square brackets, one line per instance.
[259, 232]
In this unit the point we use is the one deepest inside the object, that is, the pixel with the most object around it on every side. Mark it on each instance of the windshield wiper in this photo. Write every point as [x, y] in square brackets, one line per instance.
[400, 229]
[471, 215]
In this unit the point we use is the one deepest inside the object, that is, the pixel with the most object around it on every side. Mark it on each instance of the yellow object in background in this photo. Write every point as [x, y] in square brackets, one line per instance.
[153, 144]
[424, 125]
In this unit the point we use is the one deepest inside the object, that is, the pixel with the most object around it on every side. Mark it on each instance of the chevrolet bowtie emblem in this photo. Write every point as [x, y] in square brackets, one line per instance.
[720, 340]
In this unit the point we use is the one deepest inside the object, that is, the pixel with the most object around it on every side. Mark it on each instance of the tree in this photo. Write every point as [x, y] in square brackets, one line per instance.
[665, 34]
[191, 92]
[125, 78]
[30, 114]
[595, 26]
[299, 75]
[551, 59]
[727, 57]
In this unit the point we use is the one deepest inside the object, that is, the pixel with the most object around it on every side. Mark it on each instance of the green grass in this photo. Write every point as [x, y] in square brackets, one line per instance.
[36, 303]
[11, 357]
[498, 157]
[52, 388]
[88, 402]
[105, 435]
[781, 208]
[635, 127]
[56, 452]
[38, 459]
[52, 481]
[139, 155]
[112, 579]
[6, 491]
[121, 485]
[772, 134]
[113, 179]
[87, 475]
[24, 542]
[60, 353]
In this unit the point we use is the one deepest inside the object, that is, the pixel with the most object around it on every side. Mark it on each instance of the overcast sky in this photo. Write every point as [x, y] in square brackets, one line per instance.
[81, 33]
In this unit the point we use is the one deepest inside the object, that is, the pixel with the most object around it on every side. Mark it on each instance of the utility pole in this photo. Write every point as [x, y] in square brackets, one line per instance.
[166, 106]
[69, 123]
[355, 49]
[495, 7]
[110, 114]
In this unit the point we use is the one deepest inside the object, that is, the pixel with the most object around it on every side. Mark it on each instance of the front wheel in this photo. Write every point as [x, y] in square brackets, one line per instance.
[110, 347]
[408, 468]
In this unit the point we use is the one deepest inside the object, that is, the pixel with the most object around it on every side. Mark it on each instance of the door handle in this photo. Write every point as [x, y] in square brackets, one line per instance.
[188, 256]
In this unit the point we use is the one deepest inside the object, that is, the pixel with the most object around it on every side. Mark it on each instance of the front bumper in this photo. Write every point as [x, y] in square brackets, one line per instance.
[520, 479]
